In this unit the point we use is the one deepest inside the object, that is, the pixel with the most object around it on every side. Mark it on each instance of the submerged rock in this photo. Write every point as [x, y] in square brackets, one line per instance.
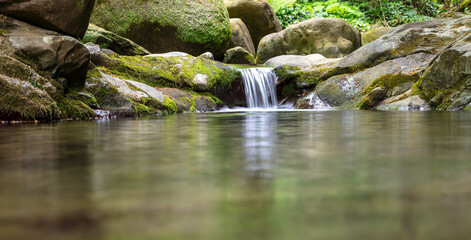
[65, 16]
[258, 16]
[112, 41]
[194, 27]
[330, 37]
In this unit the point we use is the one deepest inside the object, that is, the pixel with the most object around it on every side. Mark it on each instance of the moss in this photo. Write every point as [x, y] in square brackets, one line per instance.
[3, 32]
[84, 97]
[22, 101]
[390, 81]
[75, 109]
[288, 90]
[173, 72]
[151, 106]
[201, 22]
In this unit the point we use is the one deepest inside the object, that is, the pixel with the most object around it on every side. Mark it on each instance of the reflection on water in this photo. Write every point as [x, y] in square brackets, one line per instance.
[258, 175]
[260, 136]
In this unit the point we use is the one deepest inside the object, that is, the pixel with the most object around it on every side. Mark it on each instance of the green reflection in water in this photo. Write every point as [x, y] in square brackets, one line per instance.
[270, 175]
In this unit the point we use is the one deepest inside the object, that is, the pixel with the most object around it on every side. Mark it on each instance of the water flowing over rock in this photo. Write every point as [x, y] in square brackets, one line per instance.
[260, 87]
[332, 38]
[194, 27]
[65, 16]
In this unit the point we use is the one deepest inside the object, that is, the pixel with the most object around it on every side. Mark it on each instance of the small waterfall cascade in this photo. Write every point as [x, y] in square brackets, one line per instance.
[260, 87]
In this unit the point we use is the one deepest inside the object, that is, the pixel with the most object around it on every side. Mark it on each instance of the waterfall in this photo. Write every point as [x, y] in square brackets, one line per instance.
[260, 87]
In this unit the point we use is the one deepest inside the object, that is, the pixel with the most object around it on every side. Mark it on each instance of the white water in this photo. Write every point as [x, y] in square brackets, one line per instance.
[260, 87]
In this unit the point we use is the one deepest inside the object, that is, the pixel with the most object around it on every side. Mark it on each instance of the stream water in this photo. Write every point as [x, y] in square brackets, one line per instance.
[249, 175]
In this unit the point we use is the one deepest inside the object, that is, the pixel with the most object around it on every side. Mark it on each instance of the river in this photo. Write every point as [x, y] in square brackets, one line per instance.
[240, 175]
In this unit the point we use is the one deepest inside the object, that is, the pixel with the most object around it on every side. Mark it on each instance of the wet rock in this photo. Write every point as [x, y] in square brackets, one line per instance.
[162, 26]
[241, 36]
[404, 103]
[25, 95]
[347, 91]
[112, 41]
[238, 55]
[258, 16]
[333, 38]
[187, 102]
[62, 56]
[65, 16]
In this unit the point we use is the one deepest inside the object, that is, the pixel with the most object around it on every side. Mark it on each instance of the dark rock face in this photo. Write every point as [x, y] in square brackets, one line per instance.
[258, 16]
[61, 55]
[332, 38]
[65, 16]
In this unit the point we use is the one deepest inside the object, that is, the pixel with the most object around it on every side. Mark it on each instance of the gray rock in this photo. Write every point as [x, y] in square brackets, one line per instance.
[207, 55]
[258, 16]
[427, 37]
[330, 37]
[303, 62]
[409, 103]
[169, 54]
[241, 36]
[65, 16]
[347, 91]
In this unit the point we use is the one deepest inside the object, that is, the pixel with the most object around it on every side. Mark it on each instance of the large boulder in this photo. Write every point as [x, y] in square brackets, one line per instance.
[193, 27]
[368, 88]
[112, 41]
[429, 37]
[258, 15]
[62, 56]
[65, 16]
[330, 37]
[241, 36]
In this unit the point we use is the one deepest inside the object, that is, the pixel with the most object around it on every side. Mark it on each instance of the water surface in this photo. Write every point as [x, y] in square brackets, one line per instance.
[256, 175]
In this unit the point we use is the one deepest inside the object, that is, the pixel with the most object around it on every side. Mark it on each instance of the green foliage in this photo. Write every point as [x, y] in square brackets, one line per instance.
[299, 12]
[278, 4]
[362, 14]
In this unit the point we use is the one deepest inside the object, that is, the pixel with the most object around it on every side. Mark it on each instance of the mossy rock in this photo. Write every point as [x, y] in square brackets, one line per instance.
[374, 34]
[112, 41]
[168, 71]
[162, 26]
